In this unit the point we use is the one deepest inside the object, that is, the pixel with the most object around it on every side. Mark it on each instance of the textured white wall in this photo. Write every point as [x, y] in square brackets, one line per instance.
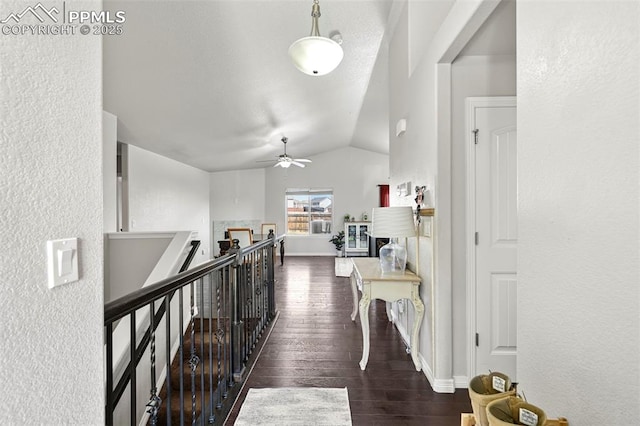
[166, 195]
[237, 195]
[51, 355]
[578, 161]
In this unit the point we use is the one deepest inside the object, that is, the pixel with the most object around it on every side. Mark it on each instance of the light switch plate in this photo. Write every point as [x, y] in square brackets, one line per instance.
[62, 260]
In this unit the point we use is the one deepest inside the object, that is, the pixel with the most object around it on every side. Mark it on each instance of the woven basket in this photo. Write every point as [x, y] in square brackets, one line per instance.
[507, 411]
[482, 392]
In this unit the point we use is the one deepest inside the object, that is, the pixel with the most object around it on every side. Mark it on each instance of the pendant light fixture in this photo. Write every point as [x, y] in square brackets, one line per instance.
[316, 55]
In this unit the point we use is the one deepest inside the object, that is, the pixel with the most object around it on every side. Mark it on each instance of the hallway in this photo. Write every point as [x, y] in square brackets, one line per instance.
[314, 343]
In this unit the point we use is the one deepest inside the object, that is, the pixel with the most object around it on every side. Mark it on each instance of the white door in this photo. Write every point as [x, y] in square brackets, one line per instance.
[496, 235]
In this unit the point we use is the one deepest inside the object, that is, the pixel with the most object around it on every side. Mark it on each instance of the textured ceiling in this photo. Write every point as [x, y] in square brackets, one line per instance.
[210, 83]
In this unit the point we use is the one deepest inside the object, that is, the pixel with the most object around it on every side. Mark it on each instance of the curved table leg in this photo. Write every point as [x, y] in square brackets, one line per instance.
[354, 292]
[364, 318]
[415, 337]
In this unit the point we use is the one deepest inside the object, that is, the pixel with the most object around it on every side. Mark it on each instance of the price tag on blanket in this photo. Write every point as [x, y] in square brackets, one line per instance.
[528, 418]
[499, 384]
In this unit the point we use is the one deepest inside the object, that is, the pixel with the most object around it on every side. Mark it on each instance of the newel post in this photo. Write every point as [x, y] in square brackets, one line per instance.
[237, 367]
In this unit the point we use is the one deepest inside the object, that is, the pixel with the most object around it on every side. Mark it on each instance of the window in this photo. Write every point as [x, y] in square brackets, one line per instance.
[309, 211]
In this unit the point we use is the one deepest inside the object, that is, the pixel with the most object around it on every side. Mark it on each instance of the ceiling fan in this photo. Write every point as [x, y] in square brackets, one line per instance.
[285, 161]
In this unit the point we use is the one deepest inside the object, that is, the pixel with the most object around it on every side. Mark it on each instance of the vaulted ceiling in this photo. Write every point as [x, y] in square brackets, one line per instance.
[210, 83]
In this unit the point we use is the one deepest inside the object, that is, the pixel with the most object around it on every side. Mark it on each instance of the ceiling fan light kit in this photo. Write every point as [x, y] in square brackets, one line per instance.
[285, 161]
[316, 55]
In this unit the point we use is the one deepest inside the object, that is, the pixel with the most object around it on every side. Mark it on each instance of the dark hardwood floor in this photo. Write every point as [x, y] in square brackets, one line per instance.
[314, 343]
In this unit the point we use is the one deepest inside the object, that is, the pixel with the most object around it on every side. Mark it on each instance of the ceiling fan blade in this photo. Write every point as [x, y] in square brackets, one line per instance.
[278, 164]
[302, 160]
[265, 161]
[297, 164]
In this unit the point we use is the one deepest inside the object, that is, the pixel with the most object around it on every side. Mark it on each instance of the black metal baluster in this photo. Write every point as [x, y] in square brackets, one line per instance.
[109, 407]
[167, 303]
[249, 298]
[211, 392]
[219, 336]
[271, 277]
[265, 288]
[154, 400]
[236, 311]
[254, 299]
[132, 367]
[193, 360]
[203, 402]
[245, 308]
[181, 362]
[227, 314]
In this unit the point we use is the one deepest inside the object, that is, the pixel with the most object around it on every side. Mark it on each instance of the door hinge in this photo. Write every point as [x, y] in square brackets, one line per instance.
[475, 136]
[477, 339]
[477, 238]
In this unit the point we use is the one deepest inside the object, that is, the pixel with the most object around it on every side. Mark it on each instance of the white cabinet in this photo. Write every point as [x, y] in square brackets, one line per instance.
[356, 240]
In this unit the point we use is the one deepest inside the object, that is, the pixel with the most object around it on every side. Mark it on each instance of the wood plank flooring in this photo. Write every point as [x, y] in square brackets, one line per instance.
[314, 343]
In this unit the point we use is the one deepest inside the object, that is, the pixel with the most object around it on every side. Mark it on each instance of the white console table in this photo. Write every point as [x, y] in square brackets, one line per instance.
[369, 279]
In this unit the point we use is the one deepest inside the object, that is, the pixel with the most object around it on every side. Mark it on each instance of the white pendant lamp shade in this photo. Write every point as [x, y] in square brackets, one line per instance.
[316, 55]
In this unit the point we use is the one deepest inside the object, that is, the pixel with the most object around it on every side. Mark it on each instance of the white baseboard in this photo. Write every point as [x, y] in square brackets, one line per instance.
[400, 328]
[444, 386]
[426, 370]
[438, 385]
[461, 382]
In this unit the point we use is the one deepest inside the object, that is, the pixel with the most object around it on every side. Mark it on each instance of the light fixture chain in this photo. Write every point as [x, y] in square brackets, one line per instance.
[315, 14]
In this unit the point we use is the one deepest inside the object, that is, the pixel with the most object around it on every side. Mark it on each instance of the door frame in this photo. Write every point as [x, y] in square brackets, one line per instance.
[471, 104]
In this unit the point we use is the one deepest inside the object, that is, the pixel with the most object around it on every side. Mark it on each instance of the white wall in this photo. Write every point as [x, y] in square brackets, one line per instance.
[51, 354]
[124, 275]
[470, 76]
[578, 209]
[353, 174]
[237, 199]
[237, 195]
[109, 171]
[166, 195]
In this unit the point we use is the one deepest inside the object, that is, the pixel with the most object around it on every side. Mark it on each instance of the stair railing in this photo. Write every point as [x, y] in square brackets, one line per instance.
[213, 335]
[141, 347]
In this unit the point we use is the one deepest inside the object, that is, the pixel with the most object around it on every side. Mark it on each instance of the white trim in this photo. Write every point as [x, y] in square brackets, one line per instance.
[471, 104]
[169, 262]
[438, 385]
[461, 382]
[401, 328]
[427, 371]
[138, 235]
[444, 386]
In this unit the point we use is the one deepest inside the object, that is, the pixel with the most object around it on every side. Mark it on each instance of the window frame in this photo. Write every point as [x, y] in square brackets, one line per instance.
[309, 193]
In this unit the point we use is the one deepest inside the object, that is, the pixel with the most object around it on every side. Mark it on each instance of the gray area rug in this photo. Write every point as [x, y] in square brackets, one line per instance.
[295, 406]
